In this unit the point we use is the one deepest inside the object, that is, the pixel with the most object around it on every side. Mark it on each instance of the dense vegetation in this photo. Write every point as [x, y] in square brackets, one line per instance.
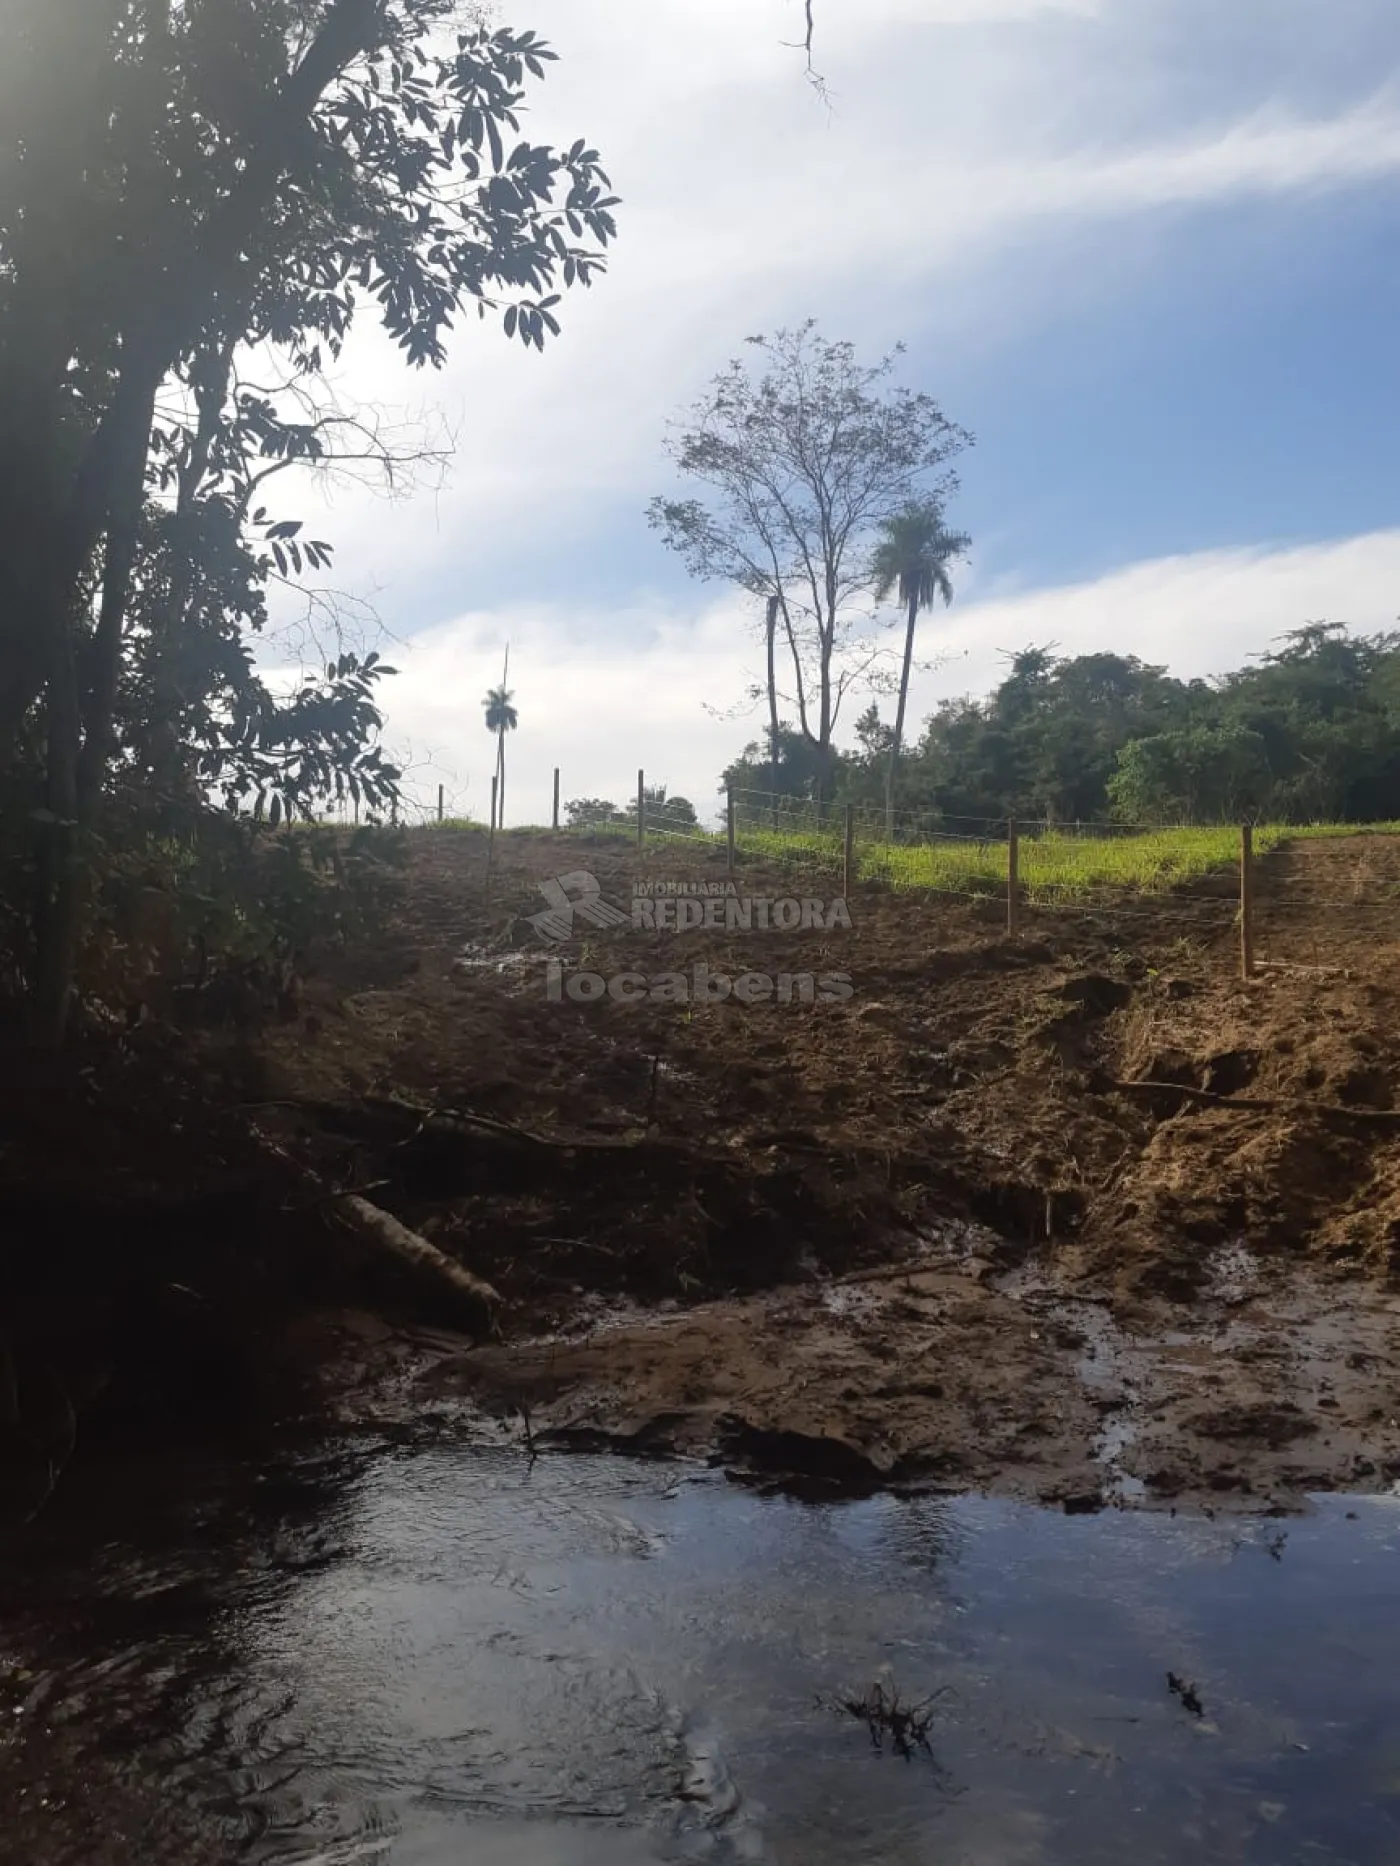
[1309, 733]
[198, 203]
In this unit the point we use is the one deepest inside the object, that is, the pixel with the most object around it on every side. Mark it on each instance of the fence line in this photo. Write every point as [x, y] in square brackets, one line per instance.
[1024, 868]
[1029, 868]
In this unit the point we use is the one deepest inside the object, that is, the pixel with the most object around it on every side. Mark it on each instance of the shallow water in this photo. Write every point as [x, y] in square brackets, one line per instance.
[443, 1655]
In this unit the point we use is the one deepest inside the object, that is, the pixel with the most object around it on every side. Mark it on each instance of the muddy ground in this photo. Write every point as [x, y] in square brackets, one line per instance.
[940, 1231]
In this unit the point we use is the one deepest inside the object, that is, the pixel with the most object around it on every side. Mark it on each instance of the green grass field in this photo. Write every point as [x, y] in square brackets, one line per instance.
[1052, 865]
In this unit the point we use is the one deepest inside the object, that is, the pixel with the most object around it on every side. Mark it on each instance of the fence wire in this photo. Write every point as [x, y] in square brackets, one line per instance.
[1073, 867]
[1141, 874]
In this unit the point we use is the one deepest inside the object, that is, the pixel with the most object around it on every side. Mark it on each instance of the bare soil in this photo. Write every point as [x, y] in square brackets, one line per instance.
[938, 1233]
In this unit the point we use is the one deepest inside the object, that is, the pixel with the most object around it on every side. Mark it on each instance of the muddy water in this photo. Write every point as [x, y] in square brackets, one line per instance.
[440, 1654]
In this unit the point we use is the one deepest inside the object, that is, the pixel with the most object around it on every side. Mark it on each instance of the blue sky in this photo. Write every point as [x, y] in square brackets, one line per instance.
[1148, 250]
[1237, 387]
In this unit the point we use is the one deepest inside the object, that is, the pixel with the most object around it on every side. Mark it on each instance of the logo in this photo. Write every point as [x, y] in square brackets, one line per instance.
[576, 895]
[683, 907]
[718, 907]
[700, 986]
[679, 907]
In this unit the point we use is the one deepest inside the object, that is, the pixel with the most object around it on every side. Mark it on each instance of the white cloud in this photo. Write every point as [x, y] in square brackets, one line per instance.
[960, 127]
[598, 717]
[1198, 614]
[600, 713]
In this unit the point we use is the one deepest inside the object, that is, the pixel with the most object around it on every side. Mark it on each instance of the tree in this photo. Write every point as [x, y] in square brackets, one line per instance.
[1044, 744]
[663, 811]
[585, 812]
[755, 778]
[873, 736]
[1309, 733]
[501, 718]
[912, 559]
[803, 460]
[181, 182]
[1202, 773]
[191, 709]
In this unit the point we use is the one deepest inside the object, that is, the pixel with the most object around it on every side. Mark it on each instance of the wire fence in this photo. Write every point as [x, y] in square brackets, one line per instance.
[1286, 893]
[973, 856]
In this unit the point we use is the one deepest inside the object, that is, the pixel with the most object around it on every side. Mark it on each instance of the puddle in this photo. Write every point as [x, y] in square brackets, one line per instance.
[1233, 1274]
[1115, 1437]
[851, 1300]
[955, 1241]
[1109, 1367]
[447, 1655]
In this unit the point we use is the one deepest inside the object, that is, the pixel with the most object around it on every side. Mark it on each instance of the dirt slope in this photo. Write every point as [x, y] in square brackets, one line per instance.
[1107, 1290]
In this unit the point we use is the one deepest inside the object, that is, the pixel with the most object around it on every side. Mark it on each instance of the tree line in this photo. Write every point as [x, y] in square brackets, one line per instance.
[820, 488]
[1307, 732]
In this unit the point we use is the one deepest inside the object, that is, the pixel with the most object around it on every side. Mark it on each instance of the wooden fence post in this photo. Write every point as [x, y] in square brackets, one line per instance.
[730, 826]
[556, 796]
[440, 803]
[641, 808]
[848, 853]
[1247, 900]
[1013, 879]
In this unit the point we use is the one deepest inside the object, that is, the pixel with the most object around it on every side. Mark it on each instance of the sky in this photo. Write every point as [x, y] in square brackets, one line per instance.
[1147, 251]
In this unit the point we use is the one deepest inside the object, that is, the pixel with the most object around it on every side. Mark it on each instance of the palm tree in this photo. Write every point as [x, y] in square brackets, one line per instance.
[912, 558]
[501, 718]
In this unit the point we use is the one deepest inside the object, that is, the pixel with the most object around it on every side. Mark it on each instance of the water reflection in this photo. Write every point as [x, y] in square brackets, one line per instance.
[439, 1656]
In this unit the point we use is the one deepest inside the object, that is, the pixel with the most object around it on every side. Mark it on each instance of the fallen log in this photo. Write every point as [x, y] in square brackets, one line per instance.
[477, 1302]
[470, 1300]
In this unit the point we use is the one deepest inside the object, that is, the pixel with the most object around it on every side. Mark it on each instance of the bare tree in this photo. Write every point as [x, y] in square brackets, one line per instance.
[804, 460]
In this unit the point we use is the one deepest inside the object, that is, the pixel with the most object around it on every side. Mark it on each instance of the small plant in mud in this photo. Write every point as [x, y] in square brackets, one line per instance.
[890, 1719]
[1123, 963]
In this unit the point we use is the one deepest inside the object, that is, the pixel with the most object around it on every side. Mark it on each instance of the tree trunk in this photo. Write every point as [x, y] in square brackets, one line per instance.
[799, 681]
[59, 908]
[123, 529]
[825, 761]
[774, 606]
[56, 100]
[898, 738]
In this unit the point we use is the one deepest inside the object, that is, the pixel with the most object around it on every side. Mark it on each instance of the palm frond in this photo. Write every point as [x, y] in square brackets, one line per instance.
[913, 556]
[501, 715]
